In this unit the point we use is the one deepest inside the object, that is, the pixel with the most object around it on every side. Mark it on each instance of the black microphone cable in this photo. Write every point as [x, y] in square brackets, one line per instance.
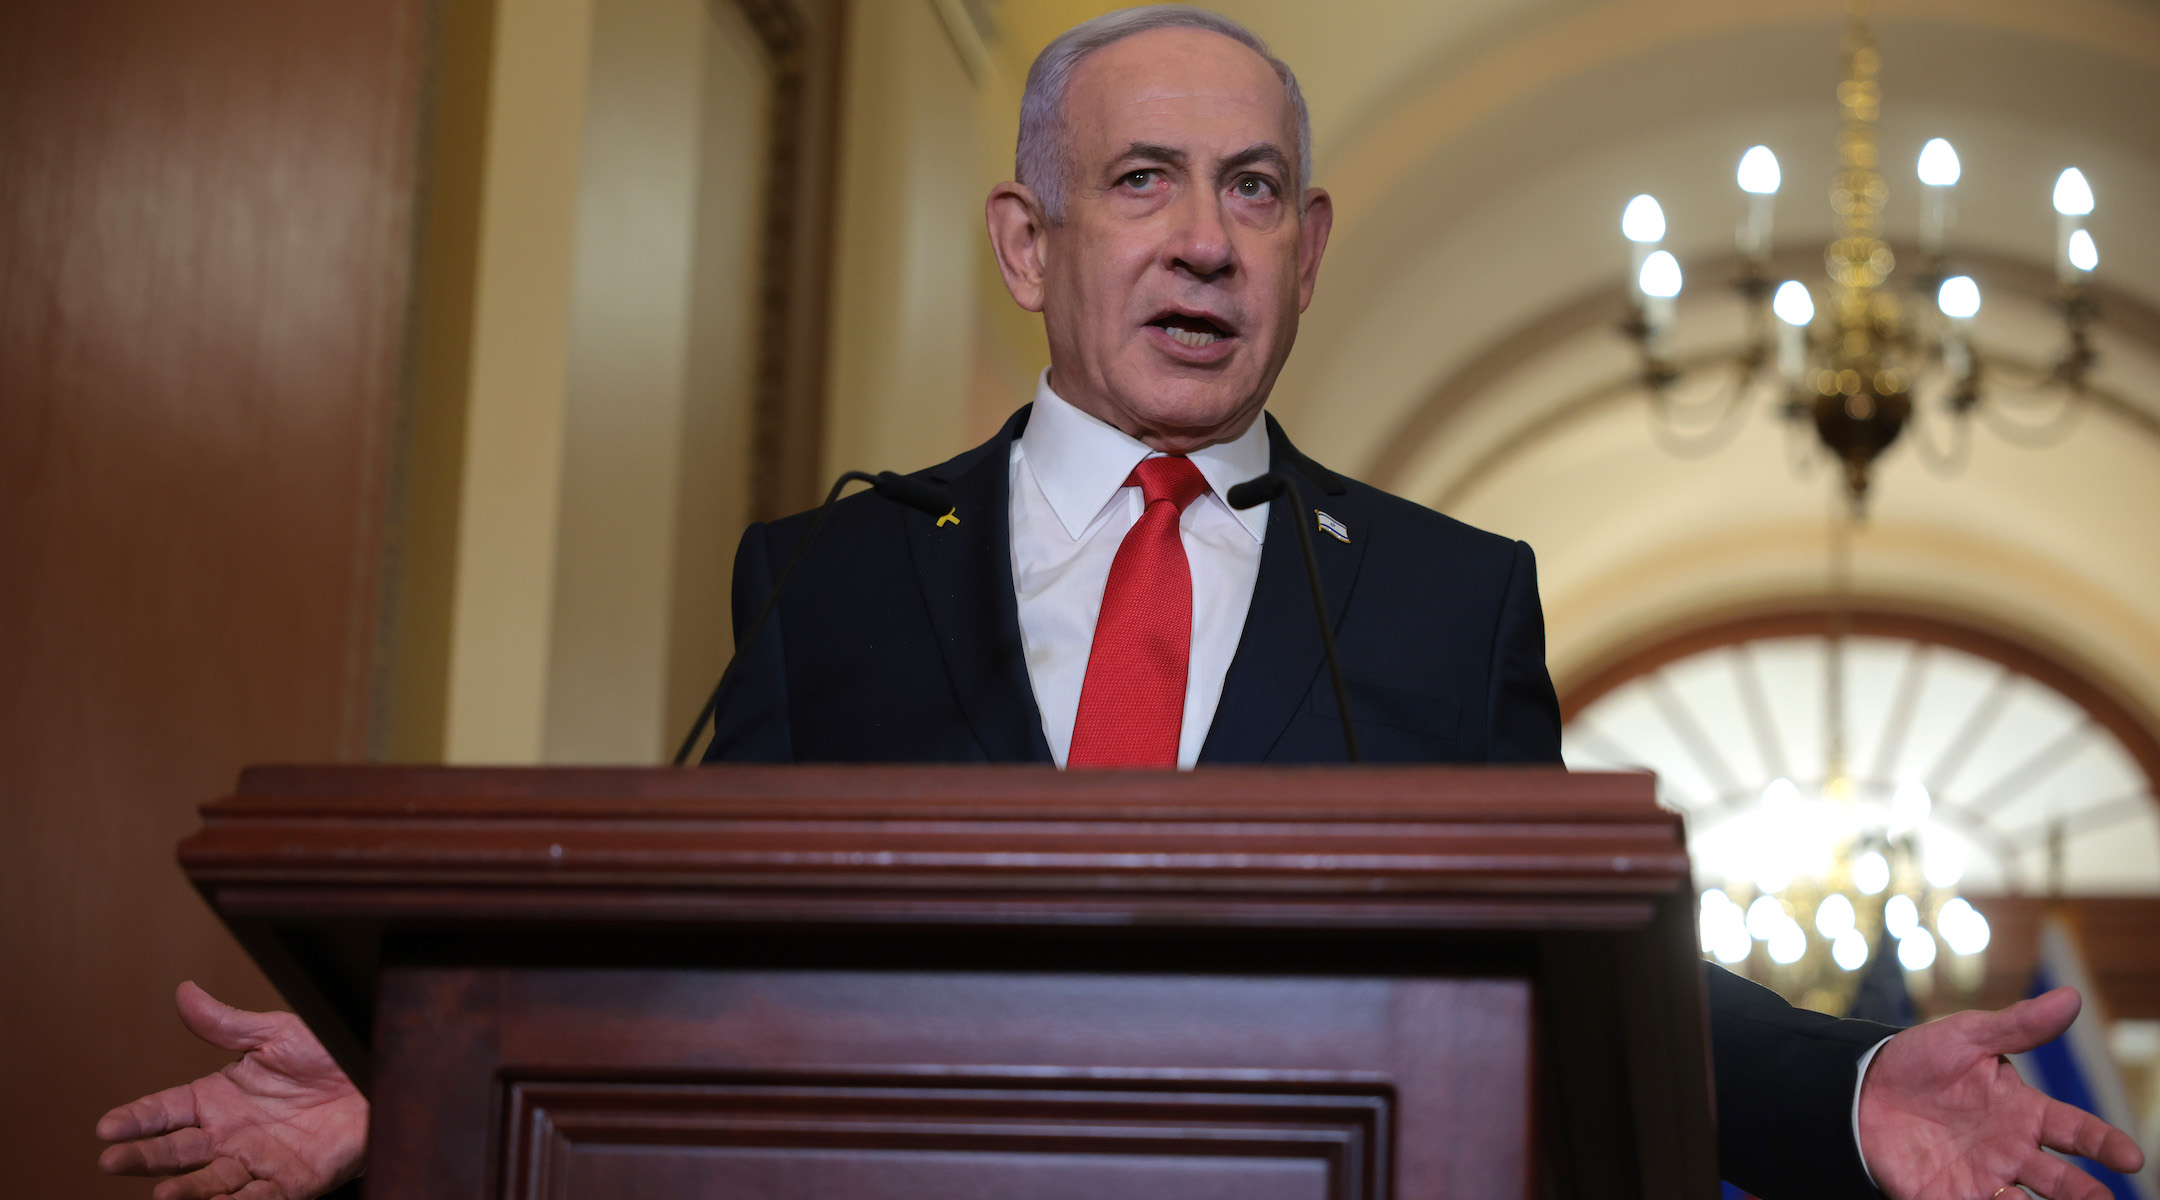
[916, 494]
[1260, 490]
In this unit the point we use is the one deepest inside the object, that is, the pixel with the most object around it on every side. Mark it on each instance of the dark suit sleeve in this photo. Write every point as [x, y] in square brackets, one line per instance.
[1785, 1079]
[1523, 714]
[751, 724]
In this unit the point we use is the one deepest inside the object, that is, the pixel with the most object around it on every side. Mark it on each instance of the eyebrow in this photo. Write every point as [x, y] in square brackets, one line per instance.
[1257, 153]
[1148, 152]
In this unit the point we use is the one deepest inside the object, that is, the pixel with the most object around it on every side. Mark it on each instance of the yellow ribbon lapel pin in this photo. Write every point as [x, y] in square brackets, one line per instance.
[951, 518]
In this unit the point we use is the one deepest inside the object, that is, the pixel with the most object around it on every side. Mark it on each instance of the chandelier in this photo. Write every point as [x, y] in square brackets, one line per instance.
[1835, 883]
[1844, 876]
[1853, 359]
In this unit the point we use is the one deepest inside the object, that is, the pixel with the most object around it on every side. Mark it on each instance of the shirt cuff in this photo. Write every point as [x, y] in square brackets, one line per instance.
[1859, 1078]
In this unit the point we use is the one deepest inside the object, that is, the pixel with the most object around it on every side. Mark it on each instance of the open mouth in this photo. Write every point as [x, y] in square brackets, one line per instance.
[1187, 329]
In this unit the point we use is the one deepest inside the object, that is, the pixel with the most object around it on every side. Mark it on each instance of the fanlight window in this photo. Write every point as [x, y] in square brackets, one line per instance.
[2008, 782]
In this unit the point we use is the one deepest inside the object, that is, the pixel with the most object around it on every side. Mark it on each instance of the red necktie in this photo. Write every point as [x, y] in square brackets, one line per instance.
[1132, 702]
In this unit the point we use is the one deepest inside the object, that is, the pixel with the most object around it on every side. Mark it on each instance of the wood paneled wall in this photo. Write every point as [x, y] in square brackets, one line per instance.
[205, 234]
[2117, 935]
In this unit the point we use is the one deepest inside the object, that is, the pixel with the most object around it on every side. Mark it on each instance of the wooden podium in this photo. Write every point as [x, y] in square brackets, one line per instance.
[1000, 982]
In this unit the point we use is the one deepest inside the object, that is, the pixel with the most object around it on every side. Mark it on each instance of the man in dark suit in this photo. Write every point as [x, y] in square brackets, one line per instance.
[899, 639]
[1091, 599]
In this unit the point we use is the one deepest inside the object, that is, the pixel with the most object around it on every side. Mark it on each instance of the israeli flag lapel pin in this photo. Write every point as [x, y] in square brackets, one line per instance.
[1332, 526]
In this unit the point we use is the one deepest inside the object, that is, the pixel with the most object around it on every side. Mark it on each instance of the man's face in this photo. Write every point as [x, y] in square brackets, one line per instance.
[1172, 290]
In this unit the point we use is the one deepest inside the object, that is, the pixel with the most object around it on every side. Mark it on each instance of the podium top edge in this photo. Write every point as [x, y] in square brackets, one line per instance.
[1333, 792]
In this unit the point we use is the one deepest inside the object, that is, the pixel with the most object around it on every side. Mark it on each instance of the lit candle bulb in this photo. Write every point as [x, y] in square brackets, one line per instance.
[1758, 176]
[2082, 252]
[2073, 203]
[1659, 281]
[1643, 224]
[1795, 308]
[1939, 171]
[1959, 300]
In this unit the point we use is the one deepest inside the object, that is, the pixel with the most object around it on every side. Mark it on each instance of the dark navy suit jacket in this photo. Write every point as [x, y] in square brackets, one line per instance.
[899, 641]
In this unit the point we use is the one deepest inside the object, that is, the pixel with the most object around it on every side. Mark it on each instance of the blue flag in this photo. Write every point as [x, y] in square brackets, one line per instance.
[2077, 1067]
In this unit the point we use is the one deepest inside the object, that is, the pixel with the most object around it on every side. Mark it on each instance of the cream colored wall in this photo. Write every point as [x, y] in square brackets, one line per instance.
[603, 472]
[601, 480]
[1010, 349]
[503, 582]
[714, 440]
[660, 348]
[910, 245]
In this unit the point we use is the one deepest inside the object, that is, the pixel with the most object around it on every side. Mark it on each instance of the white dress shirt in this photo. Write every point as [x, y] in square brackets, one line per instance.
[1071, 509]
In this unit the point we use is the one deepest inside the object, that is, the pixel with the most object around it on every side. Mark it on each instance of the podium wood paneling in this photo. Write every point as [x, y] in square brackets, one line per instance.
[912, 982]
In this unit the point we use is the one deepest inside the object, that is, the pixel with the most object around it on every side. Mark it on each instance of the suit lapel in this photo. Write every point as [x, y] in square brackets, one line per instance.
[1279, 653]
[965, 570]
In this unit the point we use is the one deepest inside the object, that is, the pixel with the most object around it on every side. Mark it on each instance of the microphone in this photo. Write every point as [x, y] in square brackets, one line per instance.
[916, 494]
[923, 497]
[1260, 490]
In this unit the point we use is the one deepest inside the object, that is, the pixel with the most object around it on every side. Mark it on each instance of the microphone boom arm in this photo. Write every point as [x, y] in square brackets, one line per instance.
[1268, 487]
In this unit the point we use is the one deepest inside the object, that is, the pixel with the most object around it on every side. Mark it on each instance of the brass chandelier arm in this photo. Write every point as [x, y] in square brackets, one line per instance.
[1581, 406]
[2067, 373]
[1724, 426]
[1942, 462]
[1746, 367]
[1628, 387]
[2039, 436]
[1431, 419]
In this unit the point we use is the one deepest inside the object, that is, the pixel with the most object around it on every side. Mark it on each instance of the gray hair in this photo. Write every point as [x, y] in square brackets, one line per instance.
[1040, 159]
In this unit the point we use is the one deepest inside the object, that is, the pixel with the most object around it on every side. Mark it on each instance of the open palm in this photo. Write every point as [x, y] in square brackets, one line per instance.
[282, 1123]
[1943, 1116]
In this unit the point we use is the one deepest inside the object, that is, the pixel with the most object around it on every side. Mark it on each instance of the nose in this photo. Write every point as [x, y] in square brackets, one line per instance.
[1200, 241]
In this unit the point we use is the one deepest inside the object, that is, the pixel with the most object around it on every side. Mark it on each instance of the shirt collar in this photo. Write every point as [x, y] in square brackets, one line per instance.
[1080, 461]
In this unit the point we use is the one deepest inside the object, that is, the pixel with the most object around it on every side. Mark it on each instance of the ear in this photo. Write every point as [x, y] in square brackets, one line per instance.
[1017, 231]
[1313, 229]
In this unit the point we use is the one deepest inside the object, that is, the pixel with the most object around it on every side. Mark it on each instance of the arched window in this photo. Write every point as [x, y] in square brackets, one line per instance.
[2032, 770]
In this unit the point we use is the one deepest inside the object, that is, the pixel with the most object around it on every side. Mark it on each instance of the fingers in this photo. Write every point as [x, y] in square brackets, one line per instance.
[222, 1177]
[2028, 1023]
[2056, 1179]
[159, 1112]
[181, 1151]
[219, 1023]
[2075, 1131]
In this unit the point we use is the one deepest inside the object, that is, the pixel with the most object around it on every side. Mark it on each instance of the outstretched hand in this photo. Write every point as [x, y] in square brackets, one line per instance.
[282, 1123]
[1943, 1116]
